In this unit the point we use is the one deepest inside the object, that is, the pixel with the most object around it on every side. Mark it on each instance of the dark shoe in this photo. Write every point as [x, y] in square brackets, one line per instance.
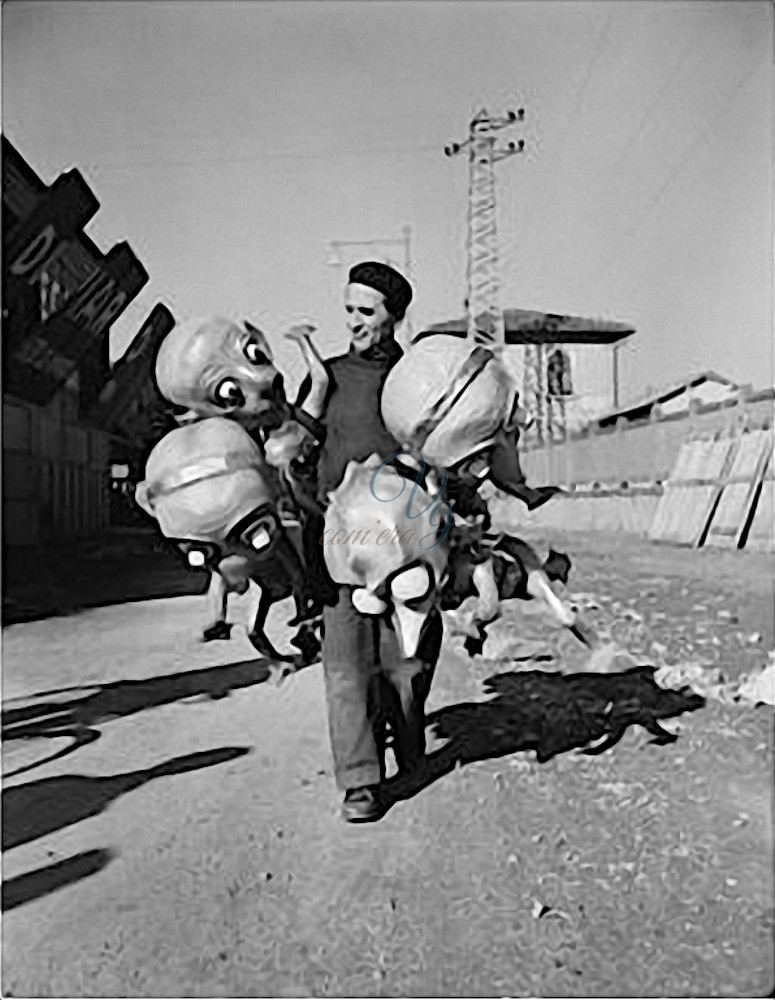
[361, 805]
[221, 630]
[542, 494]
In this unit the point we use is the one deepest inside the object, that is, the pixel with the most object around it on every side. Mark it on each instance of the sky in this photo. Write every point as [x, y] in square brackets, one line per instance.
[230, 142]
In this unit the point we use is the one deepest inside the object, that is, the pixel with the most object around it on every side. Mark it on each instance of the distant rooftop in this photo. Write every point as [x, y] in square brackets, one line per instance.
[659, 397]
[527, 326]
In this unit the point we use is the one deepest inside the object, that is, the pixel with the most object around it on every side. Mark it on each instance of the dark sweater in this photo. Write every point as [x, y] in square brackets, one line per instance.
[351, 426]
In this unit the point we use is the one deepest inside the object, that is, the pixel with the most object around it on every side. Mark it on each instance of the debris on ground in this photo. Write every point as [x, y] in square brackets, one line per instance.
[758, 687]
[755, 688]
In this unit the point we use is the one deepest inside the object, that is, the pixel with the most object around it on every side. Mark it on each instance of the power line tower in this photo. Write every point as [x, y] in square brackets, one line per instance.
[485, 314]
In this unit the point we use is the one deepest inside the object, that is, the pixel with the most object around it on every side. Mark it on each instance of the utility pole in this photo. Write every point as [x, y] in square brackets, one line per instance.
[485, 314]
[334, 258]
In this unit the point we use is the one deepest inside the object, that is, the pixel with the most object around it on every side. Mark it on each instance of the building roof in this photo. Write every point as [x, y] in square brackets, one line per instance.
[527, 326]
[642, 407]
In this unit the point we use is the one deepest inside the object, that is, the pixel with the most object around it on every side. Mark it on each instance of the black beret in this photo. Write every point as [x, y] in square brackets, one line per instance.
[384, 279]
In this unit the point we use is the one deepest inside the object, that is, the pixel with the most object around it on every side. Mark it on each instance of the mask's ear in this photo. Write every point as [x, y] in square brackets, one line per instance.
[260, 337]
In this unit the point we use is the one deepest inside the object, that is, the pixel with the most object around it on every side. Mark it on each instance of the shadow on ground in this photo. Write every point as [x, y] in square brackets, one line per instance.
[136, 566]
[39, 808]
[34, 885]
[42, 807]
[74, 718]
[549, 713]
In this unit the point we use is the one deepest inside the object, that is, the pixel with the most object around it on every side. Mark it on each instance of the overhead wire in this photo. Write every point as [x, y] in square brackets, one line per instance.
[629, 148]
[700, 139]
[302, 154]
[509, 255]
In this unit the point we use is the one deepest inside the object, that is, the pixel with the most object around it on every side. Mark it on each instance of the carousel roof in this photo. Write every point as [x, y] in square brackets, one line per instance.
[527, 326]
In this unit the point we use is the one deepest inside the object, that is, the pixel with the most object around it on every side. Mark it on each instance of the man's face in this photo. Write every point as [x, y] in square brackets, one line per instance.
[367, 318]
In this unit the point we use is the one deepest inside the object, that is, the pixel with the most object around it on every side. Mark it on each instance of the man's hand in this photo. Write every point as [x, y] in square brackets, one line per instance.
[301, 332]
[315, 401]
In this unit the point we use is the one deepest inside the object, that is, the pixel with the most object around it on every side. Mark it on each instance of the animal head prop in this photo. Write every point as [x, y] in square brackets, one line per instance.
[447, 398]
[385, 536]
[288, 445]
[214, 367]
[208, 482]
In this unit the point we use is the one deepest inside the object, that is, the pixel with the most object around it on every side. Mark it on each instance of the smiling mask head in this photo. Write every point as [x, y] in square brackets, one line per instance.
[214, 367]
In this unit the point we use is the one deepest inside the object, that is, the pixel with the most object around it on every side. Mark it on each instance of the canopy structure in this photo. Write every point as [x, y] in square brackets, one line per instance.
[543, 368]
[527, 326]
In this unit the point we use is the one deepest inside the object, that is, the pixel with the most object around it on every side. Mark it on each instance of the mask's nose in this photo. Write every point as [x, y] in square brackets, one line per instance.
[408, 625]
[271, 392]
[412, 586]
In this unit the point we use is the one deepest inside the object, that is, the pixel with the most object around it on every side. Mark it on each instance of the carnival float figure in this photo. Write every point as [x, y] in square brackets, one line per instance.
[385, 543]
[453, 405]
[214, 368]
[213, 495]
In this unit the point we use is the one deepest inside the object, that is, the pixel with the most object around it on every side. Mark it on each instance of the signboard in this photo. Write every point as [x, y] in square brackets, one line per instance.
[62, 213]
[77, 292]
[130, 404]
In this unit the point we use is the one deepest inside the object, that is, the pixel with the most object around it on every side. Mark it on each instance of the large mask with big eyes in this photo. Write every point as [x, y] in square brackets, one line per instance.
[215, 367]
[384, 538]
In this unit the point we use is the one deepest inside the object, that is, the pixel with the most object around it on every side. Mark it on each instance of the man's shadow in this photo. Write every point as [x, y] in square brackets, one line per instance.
[43, 881]
[550, 714]
[42, 807]
[75, 718]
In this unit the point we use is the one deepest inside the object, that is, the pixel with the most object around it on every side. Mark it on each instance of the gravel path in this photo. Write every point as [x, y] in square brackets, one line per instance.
[191, 846]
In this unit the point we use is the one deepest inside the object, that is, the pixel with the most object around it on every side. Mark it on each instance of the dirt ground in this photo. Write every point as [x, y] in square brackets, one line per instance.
[187, 841]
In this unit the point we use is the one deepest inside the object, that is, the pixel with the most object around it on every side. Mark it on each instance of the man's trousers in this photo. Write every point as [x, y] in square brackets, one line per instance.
[368, 682]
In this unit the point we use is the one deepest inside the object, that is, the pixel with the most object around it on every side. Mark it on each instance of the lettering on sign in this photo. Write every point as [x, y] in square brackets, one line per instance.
[96, 303]
[39, 251]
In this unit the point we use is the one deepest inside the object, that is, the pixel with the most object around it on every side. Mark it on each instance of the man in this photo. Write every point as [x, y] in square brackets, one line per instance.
[360, 652]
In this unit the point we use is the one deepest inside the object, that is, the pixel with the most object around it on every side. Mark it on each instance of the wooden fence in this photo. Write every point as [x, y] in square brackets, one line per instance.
[55, 476]
[702, 479]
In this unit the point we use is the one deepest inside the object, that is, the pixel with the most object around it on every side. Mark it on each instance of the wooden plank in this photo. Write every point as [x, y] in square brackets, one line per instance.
[734, 508]
[16, 428]
[692, 491]
[21, 478]
[668, 502]
[669, 508]
[761, 534]
[20, 519]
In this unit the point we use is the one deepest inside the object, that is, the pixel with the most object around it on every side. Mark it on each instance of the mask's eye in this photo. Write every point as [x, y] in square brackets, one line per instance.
[228, 393]
[254, 354]
[260, 539]
[479, 466]
[199, 556]
[412, 586]
[257, 530]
